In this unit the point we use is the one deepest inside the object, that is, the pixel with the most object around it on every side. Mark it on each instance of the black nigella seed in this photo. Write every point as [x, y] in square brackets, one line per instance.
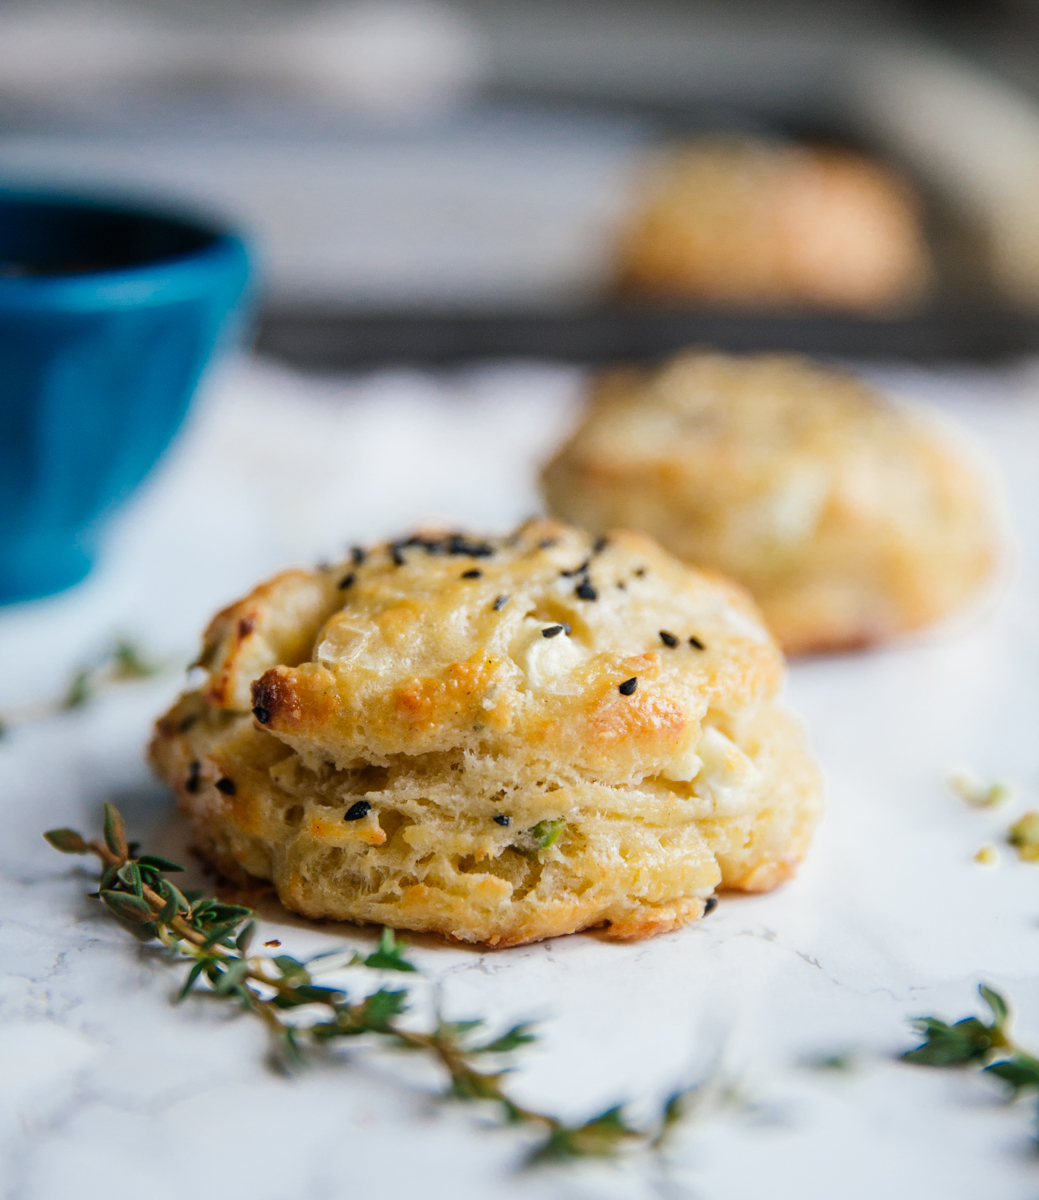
[581, 570]
[186, 723]
[357, 811]
[458, 544]
[668, 639]
[552, 631]
[226, 786]
[585, 591]
[600, 545]
[502, 819]
[500, 603]
[262, 714]
[397, 553]
[347, 581]
[475, 573]
[358, 554]
[711, 905]
[548, 543]
[627, 688]
[192, 783]
[697, 644]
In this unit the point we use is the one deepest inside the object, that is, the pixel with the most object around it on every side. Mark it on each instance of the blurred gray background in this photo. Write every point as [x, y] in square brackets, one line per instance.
[475, 154]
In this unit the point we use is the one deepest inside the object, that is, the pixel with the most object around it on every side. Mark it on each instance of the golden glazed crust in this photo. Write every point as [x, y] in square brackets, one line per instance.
[739, 221]
[453, 751]
[849, 520]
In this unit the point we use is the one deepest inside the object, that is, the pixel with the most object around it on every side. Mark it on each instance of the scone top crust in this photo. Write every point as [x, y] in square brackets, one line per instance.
[723, 433]
[502, 646]
[753, 409]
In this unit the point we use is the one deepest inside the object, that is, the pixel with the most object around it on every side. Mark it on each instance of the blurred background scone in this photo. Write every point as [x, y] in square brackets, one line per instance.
[850, 520]
[496, 740]
[755, 222]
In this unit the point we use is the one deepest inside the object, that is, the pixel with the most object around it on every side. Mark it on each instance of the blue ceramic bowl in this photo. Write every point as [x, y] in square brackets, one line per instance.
[107, 318]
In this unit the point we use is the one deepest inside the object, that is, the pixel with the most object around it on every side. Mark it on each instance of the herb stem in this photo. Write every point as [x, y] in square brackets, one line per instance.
[215, 936]
[121, 662]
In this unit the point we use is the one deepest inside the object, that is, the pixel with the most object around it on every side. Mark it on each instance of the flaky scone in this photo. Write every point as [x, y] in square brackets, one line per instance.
[752, 222]
[496, 740]
[850, 520]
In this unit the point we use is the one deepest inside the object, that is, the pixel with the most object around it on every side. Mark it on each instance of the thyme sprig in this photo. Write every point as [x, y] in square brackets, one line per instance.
[120, 662]
[974, 1042]
[304, 1015]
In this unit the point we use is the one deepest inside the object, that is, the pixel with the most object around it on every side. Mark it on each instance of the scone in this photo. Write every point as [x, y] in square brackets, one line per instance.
[850, 520]
[752, 222]
[497, 740]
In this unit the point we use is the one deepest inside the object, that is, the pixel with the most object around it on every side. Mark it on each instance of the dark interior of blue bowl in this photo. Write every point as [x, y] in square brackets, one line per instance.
[61, 238]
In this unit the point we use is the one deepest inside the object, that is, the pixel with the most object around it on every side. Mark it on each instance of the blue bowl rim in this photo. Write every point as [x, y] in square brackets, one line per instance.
[169, 280]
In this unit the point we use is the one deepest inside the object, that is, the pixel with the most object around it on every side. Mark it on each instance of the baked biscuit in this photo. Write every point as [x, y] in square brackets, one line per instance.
[739, 221]
[850, 521]
[498, 740]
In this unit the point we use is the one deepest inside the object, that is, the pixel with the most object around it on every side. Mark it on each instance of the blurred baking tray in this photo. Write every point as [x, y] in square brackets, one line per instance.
[970, 144]
[330, 340]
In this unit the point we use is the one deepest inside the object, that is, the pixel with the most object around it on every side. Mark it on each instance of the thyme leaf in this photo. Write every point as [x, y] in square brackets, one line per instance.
[68, 841]
[976, 1042]
[214, 938]
[597, 1138]
[390, 955]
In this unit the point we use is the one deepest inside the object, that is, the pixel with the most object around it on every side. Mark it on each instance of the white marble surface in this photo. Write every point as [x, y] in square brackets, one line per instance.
[106, 1089]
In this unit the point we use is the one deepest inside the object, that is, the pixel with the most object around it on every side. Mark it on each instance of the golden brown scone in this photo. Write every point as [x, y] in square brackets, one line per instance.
[496, 740]
[739, 221]
[850, 520]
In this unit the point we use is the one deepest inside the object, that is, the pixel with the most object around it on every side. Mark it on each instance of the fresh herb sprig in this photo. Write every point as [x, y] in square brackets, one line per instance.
[121, 662]
[303, 1015]
[974, 1042]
